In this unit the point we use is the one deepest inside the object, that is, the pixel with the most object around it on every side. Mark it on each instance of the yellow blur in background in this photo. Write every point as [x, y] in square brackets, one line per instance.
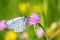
[23, 7]
[10, 35]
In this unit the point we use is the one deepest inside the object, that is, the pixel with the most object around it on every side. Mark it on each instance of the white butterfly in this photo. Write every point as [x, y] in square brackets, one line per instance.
[18, 24]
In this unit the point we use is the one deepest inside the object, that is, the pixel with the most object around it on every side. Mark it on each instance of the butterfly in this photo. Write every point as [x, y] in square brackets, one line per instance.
[17, 24]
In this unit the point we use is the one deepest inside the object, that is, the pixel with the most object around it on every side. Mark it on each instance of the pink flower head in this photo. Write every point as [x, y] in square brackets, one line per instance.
[33, 19]
[39, 32]
[3, 25]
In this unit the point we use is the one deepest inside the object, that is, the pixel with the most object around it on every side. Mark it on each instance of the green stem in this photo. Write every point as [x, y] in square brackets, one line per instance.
[44, 31]
[18, 34]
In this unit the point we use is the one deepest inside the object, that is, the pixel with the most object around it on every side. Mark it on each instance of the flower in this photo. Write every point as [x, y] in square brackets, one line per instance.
[50, 32]
[11, 35]
[53, 25]
[39, 32]
[23, 7]
[3, 25]
[7, 38]
[52, 28]
[25, 35]
[33, 19]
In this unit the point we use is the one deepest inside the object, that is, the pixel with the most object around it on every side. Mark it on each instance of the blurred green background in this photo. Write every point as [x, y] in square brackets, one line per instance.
[49, 11]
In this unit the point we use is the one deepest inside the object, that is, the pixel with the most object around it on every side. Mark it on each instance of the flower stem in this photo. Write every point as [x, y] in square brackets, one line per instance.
[18, 34]
[44, 31]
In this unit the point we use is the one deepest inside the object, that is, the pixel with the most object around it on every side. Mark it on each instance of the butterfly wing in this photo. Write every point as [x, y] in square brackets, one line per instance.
[11, 23]
[21, 25]
[18, 24]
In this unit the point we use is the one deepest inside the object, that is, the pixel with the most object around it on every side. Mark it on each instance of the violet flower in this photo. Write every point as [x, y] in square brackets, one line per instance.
[33, 19]
[39, 32]
[3, 25]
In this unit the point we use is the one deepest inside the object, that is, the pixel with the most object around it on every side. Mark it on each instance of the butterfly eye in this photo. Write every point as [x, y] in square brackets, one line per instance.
[24, 18]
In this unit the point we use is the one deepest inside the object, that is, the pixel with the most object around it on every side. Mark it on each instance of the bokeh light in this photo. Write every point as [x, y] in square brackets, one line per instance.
[10, 35]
